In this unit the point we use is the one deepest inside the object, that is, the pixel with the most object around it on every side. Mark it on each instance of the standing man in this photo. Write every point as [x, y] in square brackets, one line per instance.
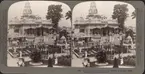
[50, 62]
[115, 65]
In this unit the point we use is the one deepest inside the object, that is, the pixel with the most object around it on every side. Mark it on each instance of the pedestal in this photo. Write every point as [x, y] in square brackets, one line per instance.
[101, 64]
[34, 64]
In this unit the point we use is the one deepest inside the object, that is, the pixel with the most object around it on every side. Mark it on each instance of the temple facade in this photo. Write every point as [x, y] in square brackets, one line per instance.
[28, 24]
[95, 24]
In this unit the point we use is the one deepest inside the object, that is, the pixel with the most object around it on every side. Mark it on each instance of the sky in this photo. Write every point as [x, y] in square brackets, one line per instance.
[80, 10]
[38, 8]
[104, 8]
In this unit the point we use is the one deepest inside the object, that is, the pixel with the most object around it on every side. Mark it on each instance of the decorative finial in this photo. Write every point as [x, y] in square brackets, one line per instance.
[93, 9]
[27, 9]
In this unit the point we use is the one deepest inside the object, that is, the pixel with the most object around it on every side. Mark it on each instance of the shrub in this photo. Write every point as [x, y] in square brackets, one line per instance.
[92, 64]
[119, 49]
[101, 57]
[35, 56]
[129, 60]
[110, 62]
[64, 60]
[52, 49]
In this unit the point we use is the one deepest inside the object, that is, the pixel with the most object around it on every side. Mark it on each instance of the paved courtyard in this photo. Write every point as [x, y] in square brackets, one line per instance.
[112, 66]
[11, 62]
[77, 62]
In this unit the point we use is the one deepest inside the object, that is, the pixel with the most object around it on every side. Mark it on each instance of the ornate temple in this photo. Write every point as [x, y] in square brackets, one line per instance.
[28, 24]
[95, 24]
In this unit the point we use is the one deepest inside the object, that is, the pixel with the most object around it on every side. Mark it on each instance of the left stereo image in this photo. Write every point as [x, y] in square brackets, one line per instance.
[39, 34]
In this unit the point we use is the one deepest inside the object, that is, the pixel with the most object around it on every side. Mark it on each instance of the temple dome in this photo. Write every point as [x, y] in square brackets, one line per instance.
[29, 18]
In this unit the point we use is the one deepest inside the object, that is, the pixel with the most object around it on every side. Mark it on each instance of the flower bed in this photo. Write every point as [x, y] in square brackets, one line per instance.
[90, 53]
[12, 53]
[77, 51]
[129, 60]
[78, 54]
[25, 52]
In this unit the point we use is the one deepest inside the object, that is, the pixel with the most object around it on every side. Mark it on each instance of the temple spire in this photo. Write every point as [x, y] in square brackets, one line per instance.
[27, 9]
[93, 9]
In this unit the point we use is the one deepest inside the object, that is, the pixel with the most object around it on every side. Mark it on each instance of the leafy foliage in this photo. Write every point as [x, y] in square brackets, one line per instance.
[54, 13]
[36, 56]
[129, 60]
[64, 60]
[101, 57]
[133, 15]
[120, 13]
[68, 15]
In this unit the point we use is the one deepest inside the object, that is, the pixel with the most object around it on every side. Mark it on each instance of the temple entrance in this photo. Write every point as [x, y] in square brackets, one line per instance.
[40, 31]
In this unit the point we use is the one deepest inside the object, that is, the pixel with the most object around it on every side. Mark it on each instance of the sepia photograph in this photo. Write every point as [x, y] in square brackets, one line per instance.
[49, 34]
[39, 34]
[104, 35]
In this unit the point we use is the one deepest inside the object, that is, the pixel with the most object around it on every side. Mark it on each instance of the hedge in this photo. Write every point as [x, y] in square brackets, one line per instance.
[64, 60]
[129, 60]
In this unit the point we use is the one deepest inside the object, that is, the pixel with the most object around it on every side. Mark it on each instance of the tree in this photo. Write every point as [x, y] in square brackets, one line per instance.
[133, 14]
[69, 16]
[55, 15]
[120, 13]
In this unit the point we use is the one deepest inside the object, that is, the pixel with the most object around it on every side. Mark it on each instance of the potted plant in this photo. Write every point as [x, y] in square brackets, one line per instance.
[101, 57]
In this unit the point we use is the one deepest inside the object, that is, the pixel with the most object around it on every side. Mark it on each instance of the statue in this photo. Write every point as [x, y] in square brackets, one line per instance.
[20, 54]
[86, 54]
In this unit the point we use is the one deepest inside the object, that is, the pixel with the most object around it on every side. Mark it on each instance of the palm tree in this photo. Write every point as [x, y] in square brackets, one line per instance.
[69, 16]
[133, 14]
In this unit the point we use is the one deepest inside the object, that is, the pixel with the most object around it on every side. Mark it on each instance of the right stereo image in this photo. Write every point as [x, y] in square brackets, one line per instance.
[104, 35]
